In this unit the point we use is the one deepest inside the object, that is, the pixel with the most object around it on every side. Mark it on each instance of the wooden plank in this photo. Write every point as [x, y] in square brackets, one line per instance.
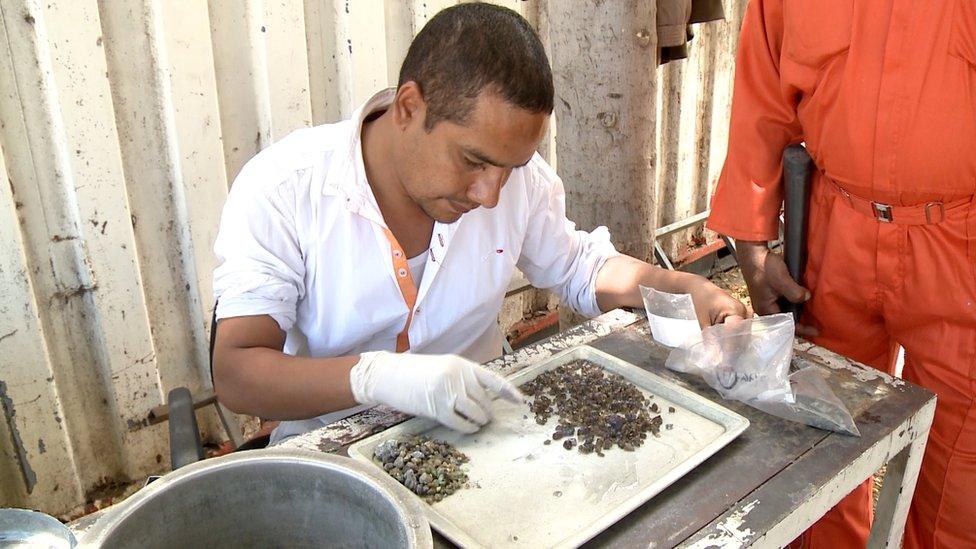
[668, 129]
[690, 137]
[726, 43]
[781, 509]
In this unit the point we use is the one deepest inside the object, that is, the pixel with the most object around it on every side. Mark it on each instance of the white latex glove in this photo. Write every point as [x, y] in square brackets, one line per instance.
[446, 388]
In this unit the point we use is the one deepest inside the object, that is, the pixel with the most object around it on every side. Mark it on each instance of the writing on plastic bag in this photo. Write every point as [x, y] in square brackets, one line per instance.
[743, 360]
[750, 361]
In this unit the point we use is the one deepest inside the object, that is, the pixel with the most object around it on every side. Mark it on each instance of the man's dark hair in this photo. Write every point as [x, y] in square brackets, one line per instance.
[468, 48]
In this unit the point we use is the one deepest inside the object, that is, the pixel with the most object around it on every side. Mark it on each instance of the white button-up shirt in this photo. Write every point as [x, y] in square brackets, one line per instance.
[302, 239]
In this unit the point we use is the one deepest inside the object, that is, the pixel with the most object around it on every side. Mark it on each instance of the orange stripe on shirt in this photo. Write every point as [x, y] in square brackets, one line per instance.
[408, 289]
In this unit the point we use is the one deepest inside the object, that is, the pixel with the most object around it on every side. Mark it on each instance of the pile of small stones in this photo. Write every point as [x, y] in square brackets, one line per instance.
[597, 410]
[429, 468]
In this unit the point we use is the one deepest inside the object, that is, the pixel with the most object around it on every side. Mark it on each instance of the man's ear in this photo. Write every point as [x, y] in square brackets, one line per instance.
[409, 106]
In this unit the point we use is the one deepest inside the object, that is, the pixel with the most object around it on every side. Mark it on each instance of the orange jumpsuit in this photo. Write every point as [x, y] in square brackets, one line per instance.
[883, 93]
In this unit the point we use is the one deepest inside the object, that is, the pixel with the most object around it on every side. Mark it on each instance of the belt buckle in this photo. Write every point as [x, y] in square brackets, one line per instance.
[882, 212]
[929, 218]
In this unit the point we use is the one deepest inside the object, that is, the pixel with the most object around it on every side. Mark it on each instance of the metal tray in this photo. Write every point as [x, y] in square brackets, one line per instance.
[526, 494]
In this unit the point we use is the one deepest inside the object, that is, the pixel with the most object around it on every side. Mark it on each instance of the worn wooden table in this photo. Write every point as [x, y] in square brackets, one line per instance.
[767, 486]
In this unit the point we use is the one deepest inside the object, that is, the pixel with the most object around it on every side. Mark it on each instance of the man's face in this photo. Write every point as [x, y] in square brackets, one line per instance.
[454, 168]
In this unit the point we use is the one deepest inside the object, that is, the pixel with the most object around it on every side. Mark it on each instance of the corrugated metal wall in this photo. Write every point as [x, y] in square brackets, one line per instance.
[122, 123]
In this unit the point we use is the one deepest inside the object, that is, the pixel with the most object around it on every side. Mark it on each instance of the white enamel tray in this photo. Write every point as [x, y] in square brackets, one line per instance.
[527, 494]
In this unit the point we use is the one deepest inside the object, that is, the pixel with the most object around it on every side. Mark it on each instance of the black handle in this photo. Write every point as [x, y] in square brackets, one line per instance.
[184, 435]
[797, 166]
[213, 338]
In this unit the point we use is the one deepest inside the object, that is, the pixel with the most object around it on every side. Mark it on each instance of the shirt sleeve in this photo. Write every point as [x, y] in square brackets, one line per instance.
[260, 266]
[764, 122]
[555, 256]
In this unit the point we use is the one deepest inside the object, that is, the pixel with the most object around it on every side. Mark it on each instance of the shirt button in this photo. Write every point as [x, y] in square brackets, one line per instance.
[397, 254]
[417, 311]
[402, 272]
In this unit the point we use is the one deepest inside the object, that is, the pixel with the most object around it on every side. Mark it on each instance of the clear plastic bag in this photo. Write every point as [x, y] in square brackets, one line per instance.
[671, 316]
[750, 360]
[814, 404]
[741, 360]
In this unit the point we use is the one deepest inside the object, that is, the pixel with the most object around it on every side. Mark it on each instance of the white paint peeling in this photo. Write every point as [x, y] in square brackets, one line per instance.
[732, 530]
[837, 362]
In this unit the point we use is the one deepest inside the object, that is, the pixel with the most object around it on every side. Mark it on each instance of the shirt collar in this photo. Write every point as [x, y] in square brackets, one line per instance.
[347, 175]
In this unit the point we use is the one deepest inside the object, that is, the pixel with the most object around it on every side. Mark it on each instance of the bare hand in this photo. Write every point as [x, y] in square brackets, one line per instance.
[768, 279]
[714, 305]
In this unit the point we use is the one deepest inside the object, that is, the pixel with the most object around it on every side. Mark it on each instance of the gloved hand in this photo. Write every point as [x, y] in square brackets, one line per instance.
[446, 388]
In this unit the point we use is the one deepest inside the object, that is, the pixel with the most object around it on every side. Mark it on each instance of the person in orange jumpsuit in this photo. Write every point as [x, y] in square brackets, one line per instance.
[883, 94]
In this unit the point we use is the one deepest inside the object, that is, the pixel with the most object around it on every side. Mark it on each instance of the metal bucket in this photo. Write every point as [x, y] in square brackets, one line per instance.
[30, 529]
[267, 498]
